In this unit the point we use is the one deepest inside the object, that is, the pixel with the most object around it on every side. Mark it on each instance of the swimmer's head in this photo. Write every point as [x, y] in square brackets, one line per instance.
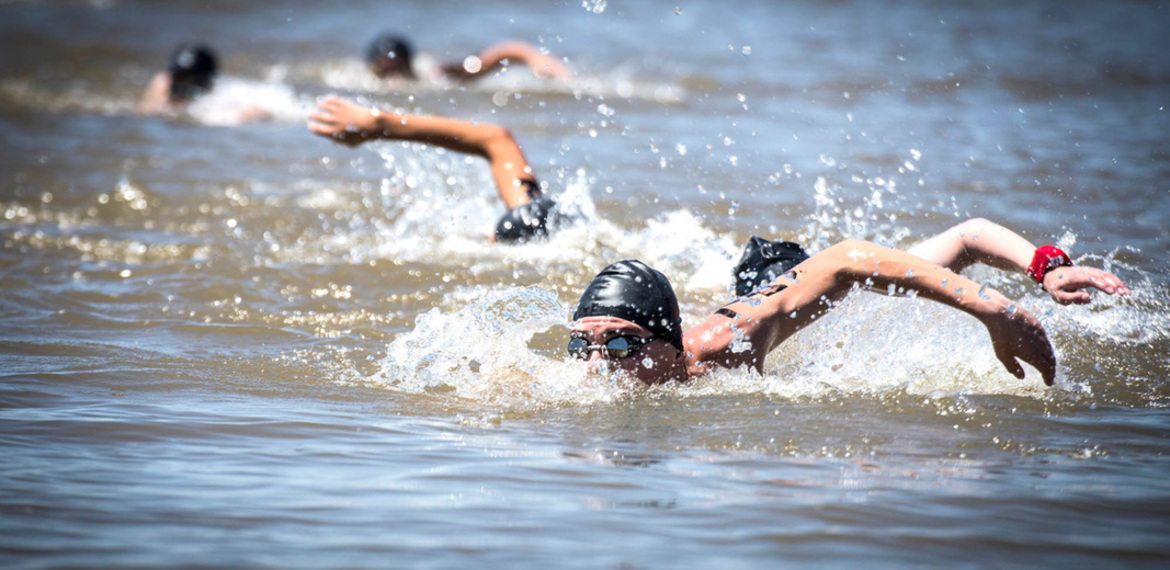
[633, 291]
[390, 56]
[530, 221]
[192, 70]
[764, 261]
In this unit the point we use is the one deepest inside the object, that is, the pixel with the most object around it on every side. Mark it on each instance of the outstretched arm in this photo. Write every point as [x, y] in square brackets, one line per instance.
[982, 241]
[352, 124]
[542, 65]
[805, 294]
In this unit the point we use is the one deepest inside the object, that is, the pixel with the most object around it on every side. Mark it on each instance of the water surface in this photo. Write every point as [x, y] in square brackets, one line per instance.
[240, 345]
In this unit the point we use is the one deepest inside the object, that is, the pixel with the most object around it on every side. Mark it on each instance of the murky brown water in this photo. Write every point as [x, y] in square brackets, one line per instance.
[244, 346]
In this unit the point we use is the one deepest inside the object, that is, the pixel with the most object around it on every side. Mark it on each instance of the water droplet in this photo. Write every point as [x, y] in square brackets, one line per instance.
[595, 6]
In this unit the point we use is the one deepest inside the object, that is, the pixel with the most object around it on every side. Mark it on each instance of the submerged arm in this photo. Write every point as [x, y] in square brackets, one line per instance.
[352, 124]
[982, 241]
[805, 294]
[542, 65]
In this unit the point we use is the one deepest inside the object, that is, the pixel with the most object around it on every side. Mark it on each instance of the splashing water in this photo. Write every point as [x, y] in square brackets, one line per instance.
[481, 352]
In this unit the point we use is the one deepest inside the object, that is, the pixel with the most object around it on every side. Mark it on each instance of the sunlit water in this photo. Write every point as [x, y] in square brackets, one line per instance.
[241, 345]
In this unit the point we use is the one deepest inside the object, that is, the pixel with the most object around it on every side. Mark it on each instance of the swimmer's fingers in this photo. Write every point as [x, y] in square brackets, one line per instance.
[1070, 297]
[1066, 284]
[1019, 337]
[343, 121]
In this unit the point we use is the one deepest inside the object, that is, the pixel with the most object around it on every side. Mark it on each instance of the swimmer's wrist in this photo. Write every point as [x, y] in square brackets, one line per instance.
[988, 304]
[382, 124]
[1044, 260]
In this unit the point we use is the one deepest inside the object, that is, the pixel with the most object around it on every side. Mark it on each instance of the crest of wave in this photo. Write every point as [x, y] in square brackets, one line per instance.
[351, 75]
[626, 81]
[480, 352]
[675, 243]
[868, 346]
[78, 97]
[1140, 318]
[229, 103]
[444, 206]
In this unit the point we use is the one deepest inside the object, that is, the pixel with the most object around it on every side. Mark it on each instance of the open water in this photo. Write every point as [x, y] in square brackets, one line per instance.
[234, 345]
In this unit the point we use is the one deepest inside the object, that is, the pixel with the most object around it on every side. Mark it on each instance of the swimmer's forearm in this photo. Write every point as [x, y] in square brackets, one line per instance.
[977, 241]
[352, 124]
[982, 241]
[805, 294]
[884, 269]
[1016, 335]
[493, 57]
[453, 134]
[492, 142]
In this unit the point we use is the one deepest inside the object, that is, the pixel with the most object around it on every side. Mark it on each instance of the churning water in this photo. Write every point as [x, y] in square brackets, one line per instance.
[229, 344]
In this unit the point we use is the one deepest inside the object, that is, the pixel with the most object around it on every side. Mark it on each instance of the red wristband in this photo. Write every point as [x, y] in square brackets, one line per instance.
[1046, 259]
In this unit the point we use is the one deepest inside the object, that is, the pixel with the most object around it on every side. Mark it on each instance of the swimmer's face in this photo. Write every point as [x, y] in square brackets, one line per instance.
[185, 87]
[631, 349]
[387, 67]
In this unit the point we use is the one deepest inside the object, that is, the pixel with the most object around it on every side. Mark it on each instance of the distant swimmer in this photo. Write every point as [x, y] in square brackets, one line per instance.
[189, 76]
[628, 319]
[531, 214]
[390, 57]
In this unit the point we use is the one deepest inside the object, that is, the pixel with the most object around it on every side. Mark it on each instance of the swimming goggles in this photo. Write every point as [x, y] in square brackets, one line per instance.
[618, 347]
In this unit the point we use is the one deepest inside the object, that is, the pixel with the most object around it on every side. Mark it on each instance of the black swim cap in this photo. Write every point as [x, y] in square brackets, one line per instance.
[763, 261]
[634, 291]
[390, 46]
[194, 65]
[529, 221]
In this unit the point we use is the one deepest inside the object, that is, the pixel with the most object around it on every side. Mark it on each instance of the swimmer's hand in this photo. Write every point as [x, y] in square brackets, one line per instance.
[1065, 284]
[345, 121]
[1017, 334]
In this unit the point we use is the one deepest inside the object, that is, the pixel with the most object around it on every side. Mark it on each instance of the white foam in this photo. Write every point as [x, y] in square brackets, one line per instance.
[233, 100]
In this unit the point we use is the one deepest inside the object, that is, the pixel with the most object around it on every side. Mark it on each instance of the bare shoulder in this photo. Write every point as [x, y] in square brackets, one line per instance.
[728, 339]
[156, 97]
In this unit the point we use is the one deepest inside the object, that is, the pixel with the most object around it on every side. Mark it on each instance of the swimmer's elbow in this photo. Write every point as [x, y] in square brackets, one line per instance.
[841, 261]
[497, 140]
[496, 134]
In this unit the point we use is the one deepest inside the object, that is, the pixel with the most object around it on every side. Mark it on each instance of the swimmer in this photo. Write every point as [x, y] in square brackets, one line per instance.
[530, 213]
[390, 57]
[190, 75]
[628, 318]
